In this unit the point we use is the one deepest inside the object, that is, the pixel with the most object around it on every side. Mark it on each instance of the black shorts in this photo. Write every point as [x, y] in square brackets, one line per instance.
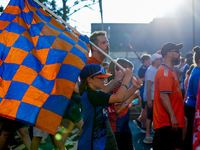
[124, 140]
[11, 125]
[150, 112]
[166, 139]
[73, 112]
[143, 104]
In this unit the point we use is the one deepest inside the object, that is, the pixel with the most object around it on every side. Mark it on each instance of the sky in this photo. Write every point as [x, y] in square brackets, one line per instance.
[118, 11]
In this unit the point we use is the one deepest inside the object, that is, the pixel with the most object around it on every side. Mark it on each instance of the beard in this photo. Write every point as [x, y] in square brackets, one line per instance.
[107, 50]
[175, 61]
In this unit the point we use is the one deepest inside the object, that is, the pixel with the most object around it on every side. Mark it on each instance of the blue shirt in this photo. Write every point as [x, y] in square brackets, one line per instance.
[193, 86]
[94, 130]
[141, 74]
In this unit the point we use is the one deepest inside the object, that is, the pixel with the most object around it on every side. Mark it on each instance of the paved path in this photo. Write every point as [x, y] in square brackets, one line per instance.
[137, 140]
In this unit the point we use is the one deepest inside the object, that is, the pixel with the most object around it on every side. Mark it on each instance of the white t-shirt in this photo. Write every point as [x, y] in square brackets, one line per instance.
[149, 76]
[181, 76]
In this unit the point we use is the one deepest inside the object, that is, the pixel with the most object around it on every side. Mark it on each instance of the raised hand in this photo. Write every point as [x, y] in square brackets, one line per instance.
[119, 75]
[128, 73]
[137, 82]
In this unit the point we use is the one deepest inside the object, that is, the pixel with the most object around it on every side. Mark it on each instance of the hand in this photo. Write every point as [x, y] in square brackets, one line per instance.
[149, 104]
[139, 100]
[138, 93]
[137, 82]
[174, 123]
[131, 104]
[128, 73]
[119, 75]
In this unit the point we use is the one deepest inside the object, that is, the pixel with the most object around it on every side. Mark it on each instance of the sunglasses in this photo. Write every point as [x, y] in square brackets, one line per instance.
[102, 71]
[177, 51]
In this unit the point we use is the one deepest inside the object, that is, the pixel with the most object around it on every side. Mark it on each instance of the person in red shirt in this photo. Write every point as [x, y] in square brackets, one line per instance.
[168, 112]
[100, 39]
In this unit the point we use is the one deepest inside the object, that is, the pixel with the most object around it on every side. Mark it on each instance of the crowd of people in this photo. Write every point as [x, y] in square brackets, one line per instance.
[171, 91]
[166, 86]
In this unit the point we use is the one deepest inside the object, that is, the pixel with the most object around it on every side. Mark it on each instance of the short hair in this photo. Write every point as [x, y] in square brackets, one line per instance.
[93, 37]
[145, 57]
[196, 50]
[105, 64]
[111, 68]
[124, 63]
[182, 59]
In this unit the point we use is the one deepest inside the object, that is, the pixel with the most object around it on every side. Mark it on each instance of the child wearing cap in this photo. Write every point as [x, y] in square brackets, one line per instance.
[119, 113]
[94, 102]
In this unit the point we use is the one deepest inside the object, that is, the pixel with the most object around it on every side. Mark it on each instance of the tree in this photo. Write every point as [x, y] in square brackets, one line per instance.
[79, 4]
[1, 9]
[66, 11]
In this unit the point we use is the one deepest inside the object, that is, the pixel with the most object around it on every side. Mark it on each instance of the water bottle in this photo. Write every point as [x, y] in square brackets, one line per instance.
[135, 101]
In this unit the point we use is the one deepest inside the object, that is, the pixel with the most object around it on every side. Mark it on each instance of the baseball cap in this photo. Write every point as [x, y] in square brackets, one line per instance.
[189, 55]
[158, 52]
[189, 58]
[154, 57]
[167, 47]
[93, 70]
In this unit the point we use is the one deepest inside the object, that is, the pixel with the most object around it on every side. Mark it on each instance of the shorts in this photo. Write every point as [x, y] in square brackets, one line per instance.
[166, 139]
[124, 140]
[9, 125]
[144, 104]
[40, 133]
[110, 141]
[73, 112]
[150, 112]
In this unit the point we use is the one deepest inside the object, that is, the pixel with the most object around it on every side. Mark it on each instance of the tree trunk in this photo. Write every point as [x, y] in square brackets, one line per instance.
[64, 17]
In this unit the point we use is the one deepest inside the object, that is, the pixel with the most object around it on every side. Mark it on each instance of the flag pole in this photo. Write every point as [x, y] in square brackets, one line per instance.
[52, 13]
[135, 52]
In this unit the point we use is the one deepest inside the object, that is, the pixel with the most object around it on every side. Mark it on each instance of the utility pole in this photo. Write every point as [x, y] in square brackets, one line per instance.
[193, 14]
[101, 12]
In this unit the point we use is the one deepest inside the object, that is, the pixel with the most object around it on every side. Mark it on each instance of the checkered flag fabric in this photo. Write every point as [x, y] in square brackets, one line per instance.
[40, 61]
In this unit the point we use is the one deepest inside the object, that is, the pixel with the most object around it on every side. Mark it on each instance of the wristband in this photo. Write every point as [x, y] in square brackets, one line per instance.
[126, 104]
[125, 85]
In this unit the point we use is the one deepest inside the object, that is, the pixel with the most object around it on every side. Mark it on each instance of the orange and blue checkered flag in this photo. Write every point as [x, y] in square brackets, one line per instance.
[40, 61]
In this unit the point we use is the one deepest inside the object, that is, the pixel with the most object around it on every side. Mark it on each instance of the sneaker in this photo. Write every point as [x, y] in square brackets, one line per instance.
[69, 142]
[78, 134]
[43, 142]
[148, 140]
[137, 124]
[143, 130]
[152, 131]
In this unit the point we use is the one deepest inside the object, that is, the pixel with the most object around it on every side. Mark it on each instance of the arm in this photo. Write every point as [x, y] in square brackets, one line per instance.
[129, 102]
[108, 87]
[76, 88]
[137, 83]
[149, 100]
[119, 96]
[167, 105]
